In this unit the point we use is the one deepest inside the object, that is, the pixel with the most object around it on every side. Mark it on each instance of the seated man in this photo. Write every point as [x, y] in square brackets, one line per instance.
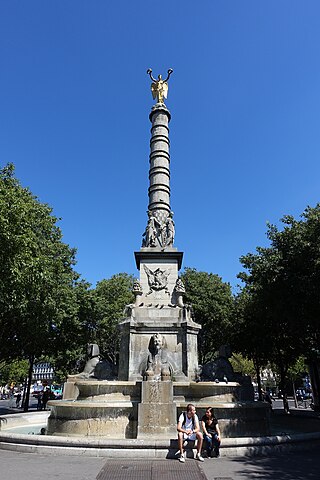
[189, 429]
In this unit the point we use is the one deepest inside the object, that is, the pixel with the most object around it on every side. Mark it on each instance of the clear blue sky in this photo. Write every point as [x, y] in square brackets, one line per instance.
[245, 105]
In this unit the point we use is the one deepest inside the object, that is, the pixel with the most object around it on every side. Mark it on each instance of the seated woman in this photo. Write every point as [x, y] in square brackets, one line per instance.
[211, 432]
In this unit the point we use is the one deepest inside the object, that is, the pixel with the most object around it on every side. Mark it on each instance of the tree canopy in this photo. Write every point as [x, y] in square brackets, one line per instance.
[46, 310]
[279, 306]
[38, 308]
[110, 297]
[212, 304]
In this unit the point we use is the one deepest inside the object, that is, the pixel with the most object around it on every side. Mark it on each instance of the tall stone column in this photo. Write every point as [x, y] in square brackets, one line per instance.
[159, 171]
[158, 335]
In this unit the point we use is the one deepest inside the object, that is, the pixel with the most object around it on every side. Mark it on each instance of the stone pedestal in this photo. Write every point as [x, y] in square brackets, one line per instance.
[180, 342]
[157, 411]
[159, 311]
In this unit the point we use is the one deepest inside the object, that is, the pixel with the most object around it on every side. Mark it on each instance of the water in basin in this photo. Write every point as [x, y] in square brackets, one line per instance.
[26, 429]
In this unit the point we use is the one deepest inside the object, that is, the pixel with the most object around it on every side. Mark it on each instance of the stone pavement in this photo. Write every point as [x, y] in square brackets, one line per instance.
[292, 466]
[299, 421]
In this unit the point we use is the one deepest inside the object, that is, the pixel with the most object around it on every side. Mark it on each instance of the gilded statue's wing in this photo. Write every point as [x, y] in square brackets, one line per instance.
[165, 89]
[154, 90]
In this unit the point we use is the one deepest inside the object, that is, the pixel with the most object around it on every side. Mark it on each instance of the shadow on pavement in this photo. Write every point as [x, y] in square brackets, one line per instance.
[291, 466]
[298, 421]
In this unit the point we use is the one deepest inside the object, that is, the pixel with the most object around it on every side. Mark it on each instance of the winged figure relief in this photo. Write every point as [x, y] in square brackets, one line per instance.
[158, 280]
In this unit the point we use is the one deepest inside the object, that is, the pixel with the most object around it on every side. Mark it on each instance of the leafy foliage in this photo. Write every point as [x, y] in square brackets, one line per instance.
[46, 311]
[110, 297]
[298, 370]
[38, 308]
[36, 274]
[279, 306]
[70, 357]
[242, 364]
[13, 372]
[212, 304]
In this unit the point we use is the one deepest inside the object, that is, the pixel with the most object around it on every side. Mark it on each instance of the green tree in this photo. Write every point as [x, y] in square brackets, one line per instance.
[242, 364]
[70, 357]
[110, 298]
[282, 288]
[268, 328]
[249, 334]
[212, 304]
[37, 300]
[298, 370]
[13, 372]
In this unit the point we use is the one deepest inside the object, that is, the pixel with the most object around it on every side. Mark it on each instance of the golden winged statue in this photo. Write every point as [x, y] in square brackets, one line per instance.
[159, 87]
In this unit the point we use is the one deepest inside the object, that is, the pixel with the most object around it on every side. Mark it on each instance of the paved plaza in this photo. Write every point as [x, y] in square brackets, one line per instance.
[291, 466]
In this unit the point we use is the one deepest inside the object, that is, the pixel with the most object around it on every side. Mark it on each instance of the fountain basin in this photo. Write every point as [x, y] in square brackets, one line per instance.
[114, 419]
[110, 409]
[135, 448]
[106, 390]
[205, 392]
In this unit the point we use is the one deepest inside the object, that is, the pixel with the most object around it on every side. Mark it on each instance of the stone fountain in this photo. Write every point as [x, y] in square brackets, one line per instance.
[158, 367]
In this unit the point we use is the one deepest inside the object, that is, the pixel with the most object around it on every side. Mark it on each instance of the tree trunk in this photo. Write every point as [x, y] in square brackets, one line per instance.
[257, 369]
[26, 402]
[314, 370]
[25, 382]
[294, 394]
[283, 389]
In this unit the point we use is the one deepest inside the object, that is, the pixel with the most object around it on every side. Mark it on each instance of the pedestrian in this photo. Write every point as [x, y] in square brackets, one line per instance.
[189, 429]
[18, 400]
[39, 398]
[211, 433]
[11, 399]
[267, 398]
[45, 397]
